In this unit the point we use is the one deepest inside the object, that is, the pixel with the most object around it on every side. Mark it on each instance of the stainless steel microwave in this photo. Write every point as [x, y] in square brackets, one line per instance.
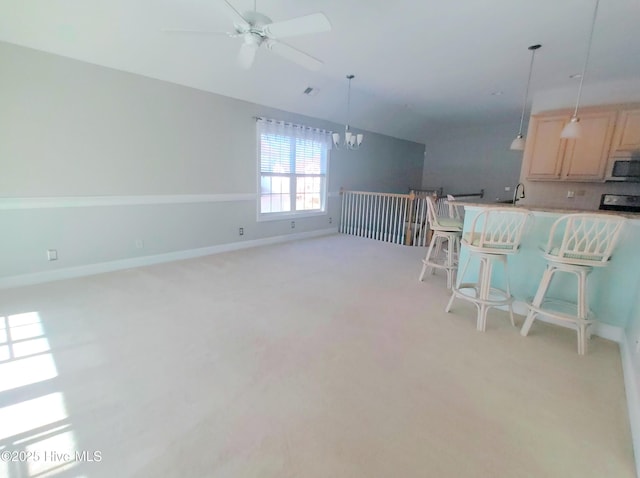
[624, 166]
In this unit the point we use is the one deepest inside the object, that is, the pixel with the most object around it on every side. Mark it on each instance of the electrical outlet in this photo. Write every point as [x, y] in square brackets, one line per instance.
[507, 188]
[330, 220]
[139, 243]
[293, 224]
[52, 254]
[241, 231]
[570, 194]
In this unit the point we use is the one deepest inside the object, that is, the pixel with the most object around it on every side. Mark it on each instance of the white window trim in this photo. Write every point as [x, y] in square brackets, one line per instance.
[279, 216]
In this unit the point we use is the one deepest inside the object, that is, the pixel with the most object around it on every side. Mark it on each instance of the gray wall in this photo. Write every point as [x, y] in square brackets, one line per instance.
[467, 159]
[69, 128]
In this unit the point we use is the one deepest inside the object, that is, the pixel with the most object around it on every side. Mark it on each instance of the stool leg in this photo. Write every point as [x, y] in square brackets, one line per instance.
[459, 280]
[455, 259]
[485, 289]
[506, 278]
[425, 261]
[451, 299]
[582, 311]
[438, 251]
[582, 338]
[455, 244]
[424, 268]
[450, 252]
[582, 294]
[482, 318]
[537, 300]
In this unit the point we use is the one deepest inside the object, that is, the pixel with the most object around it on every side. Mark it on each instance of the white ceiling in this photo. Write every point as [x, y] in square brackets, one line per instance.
[418, 64]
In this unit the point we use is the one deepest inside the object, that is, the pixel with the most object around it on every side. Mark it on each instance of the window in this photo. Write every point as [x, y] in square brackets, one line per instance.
[292, 169]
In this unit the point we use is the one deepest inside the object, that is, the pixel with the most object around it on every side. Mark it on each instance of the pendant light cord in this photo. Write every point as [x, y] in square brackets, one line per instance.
[349, 77]
[586, 60]
[526, 91]
[348, 103]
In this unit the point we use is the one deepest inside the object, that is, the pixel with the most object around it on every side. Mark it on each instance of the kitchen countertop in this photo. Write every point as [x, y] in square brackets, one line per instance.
[546, 209]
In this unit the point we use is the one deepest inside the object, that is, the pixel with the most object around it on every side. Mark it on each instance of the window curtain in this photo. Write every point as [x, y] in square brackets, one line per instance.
[282, 128]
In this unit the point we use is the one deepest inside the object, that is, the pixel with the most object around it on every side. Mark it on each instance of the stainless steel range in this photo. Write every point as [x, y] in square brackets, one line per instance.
[620, 202]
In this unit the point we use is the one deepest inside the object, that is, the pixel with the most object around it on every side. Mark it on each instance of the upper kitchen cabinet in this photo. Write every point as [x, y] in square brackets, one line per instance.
[548, 157]
[544, 150]
[586, 158]
[627, 135]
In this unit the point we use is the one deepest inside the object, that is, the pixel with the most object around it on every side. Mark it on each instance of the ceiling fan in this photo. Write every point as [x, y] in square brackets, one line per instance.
[257, 29]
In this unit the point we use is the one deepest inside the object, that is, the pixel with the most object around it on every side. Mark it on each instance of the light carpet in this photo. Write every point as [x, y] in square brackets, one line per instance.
[317, 358]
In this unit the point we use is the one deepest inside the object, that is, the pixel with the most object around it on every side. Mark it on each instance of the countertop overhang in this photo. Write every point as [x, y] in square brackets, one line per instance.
[542, 210]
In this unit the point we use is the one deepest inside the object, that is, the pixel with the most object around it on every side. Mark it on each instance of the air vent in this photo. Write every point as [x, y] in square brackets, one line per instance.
[311, 91]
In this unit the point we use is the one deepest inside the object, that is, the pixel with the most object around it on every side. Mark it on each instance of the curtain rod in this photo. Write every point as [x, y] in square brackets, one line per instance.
[294, 125]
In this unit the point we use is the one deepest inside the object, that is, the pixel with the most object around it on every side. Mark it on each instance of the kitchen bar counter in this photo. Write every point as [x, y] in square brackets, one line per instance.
[545, 209]
[610, 289]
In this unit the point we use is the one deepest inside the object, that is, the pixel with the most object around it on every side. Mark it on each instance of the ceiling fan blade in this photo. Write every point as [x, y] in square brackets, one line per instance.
[247, 55]
[314, 23]
[294, 55]
[234, 14]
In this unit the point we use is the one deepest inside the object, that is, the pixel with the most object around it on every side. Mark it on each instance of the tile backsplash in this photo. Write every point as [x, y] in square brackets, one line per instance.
[586, 196]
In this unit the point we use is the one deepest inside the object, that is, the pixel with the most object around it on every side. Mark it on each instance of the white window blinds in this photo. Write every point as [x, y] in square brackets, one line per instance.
[292, 168]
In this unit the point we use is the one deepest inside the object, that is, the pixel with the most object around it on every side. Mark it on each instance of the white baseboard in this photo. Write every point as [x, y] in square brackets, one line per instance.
[606, 331]
[99, 268]
[633, 400]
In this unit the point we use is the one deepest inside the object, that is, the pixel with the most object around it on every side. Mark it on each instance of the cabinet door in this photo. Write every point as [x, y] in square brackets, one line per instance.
[627, 135]
[586, 157]
[544, 148]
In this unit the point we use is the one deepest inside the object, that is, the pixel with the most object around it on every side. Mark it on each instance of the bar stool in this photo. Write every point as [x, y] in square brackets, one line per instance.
[495, 233]
[443, 229]
[577, 243]
[456, 211]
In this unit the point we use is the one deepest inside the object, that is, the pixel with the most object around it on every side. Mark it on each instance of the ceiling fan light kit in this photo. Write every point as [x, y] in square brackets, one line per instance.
[351, 141]
[257, 29]
[518, 143]
[572, 129]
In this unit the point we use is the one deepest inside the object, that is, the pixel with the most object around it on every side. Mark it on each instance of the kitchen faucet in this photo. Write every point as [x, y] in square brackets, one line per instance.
[516, 198]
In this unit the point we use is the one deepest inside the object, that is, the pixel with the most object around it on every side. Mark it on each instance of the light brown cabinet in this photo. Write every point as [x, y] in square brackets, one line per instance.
[586, 158]
[551, 158]
[544, 150]
[627, 135]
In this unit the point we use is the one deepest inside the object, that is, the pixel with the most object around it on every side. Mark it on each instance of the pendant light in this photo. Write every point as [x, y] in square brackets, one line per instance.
[518, 143]
[572, 129]
[351, 141]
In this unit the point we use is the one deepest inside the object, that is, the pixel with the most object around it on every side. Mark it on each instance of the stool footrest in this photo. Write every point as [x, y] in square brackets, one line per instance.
[560, 310]
[497, 297]
[440, 265]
